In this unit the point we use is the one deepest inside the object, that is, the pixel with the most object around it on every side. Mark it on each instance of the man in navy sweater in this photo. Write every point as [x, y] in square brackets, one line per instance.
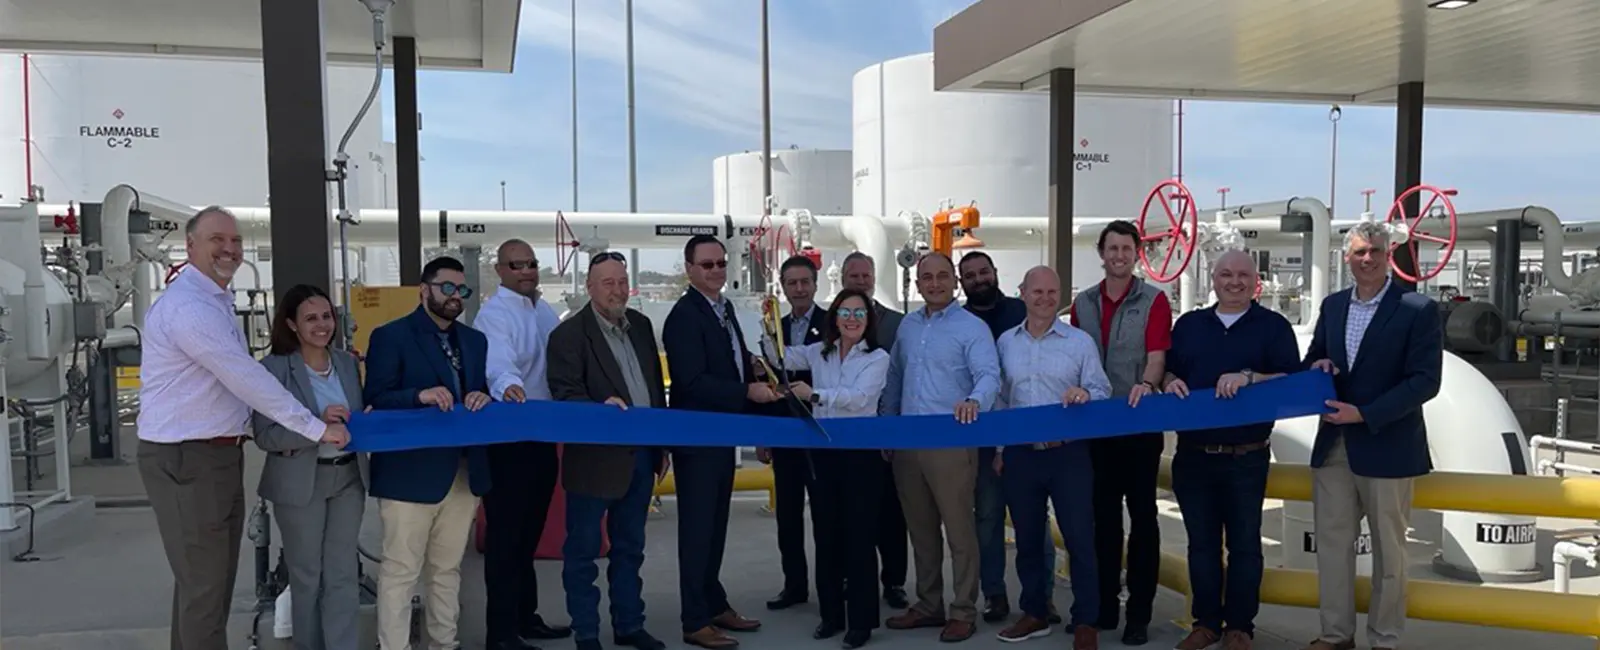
[1220, 475]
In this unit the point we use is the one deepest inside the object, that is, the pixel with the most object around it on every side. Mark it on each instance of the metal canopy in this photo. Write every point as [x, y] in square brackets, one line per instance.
[450, 34]
[1521, 54]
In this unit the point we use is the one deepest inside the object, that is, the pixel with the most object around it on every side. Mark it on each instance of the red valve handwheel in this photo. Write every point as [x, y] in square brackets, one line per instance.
[1180, 237]
[174, 270]
[1397, 212]
[1259, 286]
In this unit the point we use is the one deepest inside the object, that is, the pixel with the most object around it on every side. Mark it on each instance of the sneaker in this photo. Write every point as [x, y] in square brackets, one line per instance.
[1025, 628]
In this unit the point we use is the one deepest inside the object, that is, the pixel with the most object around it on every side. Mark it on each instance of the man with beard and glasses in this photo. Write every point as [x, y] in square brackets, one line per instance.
[200, 385]
[981, 283]
[606, 354]
[1220, 475]
[427, 497]
[712, 370]
[1383, 344]
[1131, 322]
[517, 322]
[859, 273]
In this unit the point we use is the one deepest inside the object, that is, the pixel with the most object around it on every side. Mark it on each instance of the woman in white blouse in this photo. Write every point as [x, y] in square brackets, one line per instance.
[849, 370]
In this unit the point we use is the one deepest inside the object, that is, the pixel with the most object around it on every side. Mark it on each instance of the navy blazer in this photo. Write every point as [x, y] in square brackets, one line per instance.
[815, 328]
[700, 359]
[404, 359]
[1397, 370]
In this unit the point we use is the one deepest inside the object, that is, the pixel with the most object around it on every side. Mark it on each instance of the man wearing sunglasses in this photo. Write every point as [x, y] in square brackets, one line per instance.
[427, 497]
[517, 322]
[711, 370]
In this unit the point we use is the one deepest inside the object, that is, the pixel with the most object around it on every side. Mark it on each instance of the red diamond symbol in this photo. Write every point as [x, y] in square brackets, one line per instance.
[1083, 143]
[117, 113]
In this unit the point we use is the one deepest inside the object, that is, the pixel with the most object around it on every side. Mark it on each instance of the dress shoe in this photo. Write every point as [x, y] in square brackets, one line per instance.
[733, 622]
[998, 610]
[1025, 628]
[1238, 640]
[855, 639]
[1319, 644]
[537, 629]
[957, 631]
[1085, 638]
[514, 644]
[641, 640]
[895, 597]
[1200, 638]
[710, 638]
[1135, 635]
[787, 599]
[826, 630]
[912, 620]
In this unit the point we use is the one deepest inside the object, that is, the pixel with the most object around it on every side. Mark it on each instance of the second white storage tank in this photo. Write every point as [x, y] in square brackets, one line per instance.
[813, 179]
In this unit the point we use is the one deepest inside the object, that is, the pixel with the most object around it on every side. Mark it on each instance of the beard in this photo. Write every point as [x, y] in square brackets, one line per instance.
[447, 309]
[984, 295]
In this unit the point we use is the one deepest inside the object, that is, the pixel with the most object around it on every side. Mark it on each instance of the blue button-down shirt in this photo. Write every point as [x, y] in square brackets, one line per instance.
[939, 360]
[1039, 370]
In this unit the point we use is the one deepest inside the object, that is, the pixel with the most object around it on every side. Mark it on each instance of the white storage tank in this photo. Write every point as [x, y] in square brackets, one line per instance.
[914, 147]
[813, 179]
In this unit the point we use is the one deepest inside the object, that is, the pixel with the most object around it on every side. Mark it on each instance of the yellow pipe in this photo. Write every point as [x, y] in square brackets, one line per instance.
[1537, 496]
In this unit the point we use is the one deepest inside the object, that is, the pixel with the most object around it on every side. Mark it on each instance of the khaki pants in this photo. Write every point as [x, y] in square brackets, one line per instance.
[936, 489]
[1339, 500]
[196, 489]
[424, 541]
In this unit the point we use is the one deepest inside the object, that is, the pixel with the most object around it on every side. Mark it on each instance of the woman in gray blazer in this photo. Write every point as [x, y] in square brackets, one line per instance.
[318, 491]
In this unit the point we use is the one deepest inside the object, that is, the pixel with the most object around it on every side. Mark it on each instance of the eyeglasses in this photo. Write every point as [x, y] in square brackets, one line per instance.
[859, 313]
[452, 289]
[719, 264]
[521, 265]
[608, 256]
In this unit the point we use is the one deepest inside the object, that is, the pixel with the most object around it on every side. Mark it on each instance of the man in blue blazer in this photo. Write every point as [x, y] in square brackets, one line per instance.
[427, 498]
[711, 370]
[1384, 346]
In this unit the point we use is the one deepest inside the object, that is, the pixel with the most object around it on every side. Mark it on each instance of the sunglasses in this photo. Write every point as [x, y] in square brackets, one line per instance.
[521, 265]
[452, 289]
[719, 264]
[608, 256]
[859, 313]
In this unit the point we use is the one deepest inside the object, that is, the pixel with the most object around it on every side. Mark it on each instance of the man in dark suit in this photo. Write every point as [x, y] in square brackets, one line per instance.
[712, 370]
[859, 272]
[1383, 344]
[606, 353]
[792, 470]
[427, 498]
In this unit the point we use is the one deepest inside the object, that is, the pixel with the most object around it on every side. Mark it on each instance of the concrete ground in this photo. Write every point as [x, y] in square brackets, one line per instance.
[110, 588]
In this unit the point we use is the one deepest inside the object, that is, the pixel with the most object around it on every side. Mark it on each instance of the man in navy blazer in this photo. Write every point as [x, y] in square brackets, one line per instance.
[1384, 346]
[711, 370]
[427, 498]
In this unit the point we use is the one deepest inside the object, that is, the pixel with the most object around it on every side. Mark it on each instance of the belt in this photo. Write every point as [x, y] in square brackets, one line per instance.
[223, 441]
[336, 461]
[1232, 450]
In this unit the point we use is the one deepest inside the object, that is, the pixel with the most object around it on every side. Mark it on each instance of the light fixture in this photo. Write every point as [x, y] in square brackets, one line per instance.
[1450, 4]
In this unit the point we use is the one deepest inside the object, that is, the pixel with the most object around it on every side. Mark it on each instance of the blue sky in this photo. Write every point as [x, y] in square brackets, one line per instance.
[698, 97]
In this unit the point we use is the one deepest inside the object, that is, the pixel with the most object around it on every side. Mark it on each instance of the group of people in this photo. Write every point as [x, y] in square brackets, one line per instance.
[203, 396]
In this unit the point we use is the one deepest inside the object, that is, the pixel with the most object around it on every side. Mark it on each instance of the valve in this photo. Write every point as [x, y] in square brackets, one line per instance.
[1413, 229]
[565, 239]
[1180, 238]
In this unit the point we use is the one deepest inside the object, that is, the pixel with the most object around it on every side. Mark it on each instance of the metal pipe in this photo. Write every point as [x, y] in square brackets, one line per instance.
[770, 269]
[1566, 467]
[575, 105]
[1506, 279]
[633, 158]
[27, 127]
[1560, 443]
[1561, 558]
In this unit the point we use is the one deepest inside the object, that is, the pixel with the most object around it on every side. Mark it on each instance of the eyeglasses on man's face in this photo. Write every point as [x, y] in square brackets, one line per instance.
[451, 289]
[717, 264]
[521, 265]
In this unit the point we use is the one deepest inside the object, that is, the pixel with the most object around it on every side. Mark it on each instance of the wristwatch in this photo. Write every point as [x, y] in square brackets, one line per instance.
[1151, 385]
[1249, 376]
[814, 399]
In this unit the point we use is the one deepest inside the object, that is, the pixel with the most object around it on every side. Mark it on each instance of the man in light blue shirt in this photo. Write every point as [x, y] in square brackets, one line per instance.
[1046, 361]
[944, 361]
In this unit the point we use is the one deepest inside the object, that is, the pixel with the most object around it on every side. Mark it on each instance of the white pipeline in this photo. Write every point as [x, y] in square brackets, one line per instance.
[1563, 555]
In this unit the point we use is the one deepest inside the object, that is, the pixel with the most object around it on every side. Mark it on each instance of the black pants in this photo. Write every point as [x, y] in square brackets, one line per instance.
[791, 481]
[893, 544]
[704, 477]
[522, 478]
[1125, 468]
[845, 527]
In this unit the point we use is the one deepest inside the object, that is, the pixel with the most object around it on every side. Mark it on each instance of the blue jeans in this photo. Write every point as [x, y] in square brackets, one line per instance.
[624, 521]
[1065, 477]
[991, 523]
[1220, 495]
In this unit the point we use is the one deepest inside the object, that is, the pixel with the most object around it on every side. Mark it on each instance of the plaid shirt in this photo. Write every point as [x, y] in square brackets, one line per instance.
[1358, 318]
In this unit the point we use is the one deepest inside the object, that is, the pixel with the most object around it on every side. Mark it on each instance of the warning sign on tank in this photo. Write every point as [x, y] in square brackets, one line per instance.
[1507, 533]
[1363, 543]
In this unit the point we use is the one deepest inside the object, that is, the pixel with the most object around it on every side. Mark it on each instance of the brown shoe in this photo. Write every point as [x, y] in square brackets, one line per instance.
[1236, 640]
[913, 619]
[957, 631]
[1199, 638]
[710, 638]
[1085, 637]
[1025, 628]
[733, 622]
[1319, 644]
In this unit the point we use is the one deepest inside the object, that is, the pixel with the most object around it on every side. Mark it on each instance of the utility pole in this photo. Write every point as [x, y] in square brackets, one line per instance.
[633, 159]
[766, 130]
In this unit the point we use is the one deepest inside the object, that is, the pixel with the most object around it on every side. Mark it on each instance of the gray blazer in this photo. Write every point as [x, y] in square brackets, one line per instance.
[291, 470]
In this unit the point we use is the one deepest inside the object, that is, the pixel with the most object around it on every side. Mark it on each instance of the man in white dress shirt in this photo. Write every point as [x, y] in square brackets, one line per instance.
[1045, 361]
[198, 387]
[517, 322]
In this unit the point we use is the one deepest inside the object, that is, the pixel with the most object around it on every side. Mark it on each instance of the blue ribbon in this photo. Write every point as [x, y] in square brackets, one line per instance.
[1296, 395]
